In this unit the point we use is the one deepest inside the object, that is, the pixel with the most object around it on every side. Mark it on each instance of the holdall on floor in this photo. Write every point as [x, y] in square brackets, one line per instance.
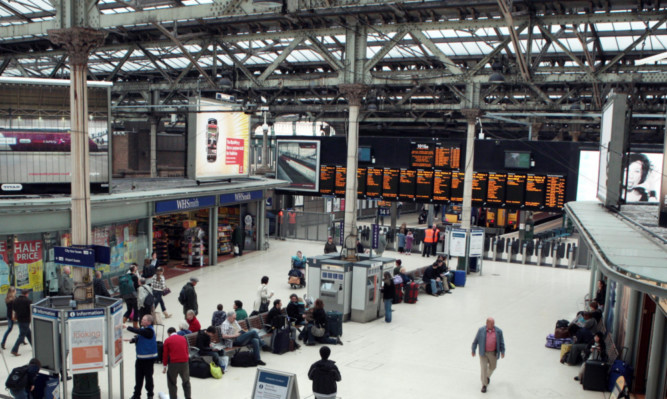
[199, 368]
[460, 278]
[335, 323]
[596, 375]
[561, 332]
[411, 293]
[556, 343]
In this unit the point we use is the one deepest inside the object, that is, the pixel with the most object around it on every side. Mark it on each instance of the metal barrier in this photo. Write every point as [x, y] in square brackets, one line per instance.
[552, 251]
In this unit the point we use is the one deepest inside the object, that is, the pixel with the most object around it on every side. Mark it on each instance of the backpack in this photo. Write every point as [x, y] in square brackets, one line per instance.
[18, 378]
[181, 296]
[126, 285]
[149, 301]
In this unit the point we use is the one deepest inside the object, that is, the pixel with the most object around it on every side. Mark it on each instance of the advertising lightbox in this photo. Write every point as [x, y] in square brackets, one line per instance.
[219, 141]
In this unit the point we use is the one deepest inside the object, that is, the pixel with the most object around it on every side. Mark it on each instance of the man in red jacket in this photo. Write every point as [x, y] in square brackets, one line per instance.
[175, 360]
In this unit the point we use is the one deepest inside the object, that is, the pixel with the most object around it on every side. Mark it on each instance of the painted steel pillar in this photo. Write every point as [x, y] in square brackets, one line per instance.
[213, 236]
[153, 137]
[466, 213]
[632, 325]
[656, 360]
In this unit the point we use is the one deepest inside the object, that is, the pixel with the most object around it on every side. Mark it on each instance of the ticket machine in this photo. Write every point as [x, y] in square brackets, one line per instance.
[330, 279]
[366, 284]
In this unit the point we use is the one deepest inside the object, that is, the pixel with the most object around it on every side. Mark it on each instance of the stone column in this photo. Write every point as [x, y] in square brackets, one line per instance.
[354, 93]
[79, 42]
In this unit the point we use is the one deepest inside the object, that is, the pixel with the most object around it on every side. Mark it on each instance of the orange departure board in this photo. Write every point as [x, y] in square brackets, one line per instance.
[479, 187]
[390, 183]
[555, 192]
[374, 182]
[447, 157]
[327, 175]
[424, 185]
[516, 187]
[495, 193]
[457, 187]
[422, 155]
[406, 184]
[442, 182]
[361, 182]
[534, 191]
[341, 180]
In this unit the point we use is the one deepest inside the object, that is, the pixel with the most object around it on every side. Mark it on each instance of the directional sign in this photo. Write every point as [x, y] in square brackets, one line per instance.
[74, 256]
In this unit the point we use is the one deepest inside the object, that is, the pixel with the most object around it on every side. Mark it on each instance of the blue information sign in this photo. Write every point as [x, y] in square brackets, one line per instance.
[341, 232]
[376, 235]
[74, 256]
[241, 197]
[44, 312]
[184, 204]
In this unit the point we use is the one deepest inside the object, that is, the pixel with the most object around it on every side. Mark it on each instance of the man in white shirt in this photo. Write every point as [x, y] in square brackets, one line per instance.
[234, 335]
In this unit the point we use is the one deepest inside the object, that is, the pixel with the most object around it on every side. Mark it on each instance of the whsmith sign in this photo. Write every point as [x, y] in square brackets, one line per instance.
[184, 204]
[241, 197]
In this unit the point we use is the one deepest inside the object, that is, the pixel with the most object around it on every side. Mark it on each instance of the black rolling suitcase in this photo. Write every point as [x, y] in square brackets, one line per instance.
[335, 323]
[596, 375]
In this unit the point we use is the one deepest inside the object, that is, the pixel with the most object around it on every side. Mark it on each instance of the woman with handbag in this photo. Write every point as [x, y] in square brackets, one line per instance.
[261, 304]
[159, 290]
[11, 318]
[317, 328]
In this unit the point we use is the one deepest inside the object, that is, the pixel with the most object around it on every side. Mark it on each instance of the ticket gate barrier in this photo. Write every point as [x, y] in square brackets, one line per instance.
[330, 279]
[366, 298]
[571, 256]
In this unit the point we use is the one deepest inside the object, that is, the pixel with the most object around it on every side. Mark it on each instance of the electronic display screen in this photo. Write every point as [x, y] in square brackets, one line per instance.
[424, 185]
[364, 154]
[341, 180]
[327, 175]
[390, 183]
[479, 187]
[495, 193]
[517, 159]
[555, 192]
[361, 182]
[406, 184]
[516, 186]
[456, 194]
[422, 156]
[534, 191]
[373, 182]
[447, 157]
[442, 182]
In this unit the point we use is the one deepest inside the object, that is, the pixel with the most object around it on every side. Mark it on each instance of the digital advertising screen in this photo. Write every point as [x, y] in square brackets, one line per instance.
[456, 193]
[517, 159]
[535, 187]
[406, 184]
[222, 145]
[642, 177]
[516, 186]
[480, 182]
[442, 182]
[555, 192]
[340, 180]
[296, 162]
[495, 193]
[361, 182]
[422, 155]
[373, 182]
[327, 179]
[390, 180]
[424, 185]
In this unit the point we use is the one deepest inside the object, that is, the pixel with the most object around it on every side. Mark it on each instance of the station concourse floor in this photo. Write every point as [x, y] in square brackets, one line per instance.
[424, 353]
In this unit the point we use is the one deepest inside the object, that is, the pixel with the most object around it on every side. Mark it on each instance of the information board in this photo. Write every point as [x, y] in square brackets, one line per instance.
[340, 180]
[373, 182]
[273, 384]
[447, 157]
[479, 187]
[457, 243]
[456, 194]
[117, 334]
[390, 179]
[86, 340]
[361, 182]
[516, 186]
[555, 192]
[495, 193]
[534, 191]
[424, 185]
[476, 243]
[406, 184]
[422, 155]
[327, 175]
[442, 181]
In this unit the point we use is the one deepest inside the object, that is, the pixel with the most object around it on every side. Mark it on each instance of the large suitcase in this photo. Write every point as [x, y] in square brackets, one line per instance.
[335, 323]
[398, 293]
[596, 375]
[280, 341]
[620, 368]
[411, 292]
[459, 278]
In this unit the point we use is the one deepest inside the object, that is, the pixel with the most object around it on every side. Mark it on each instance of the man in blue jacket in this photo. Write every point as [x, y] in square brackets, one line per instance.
[146, 342]
[491, 347]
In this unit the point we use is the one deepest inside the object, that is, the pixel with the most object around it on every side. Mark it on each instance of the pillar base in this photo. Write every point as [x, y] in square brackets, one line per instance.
[86, 386]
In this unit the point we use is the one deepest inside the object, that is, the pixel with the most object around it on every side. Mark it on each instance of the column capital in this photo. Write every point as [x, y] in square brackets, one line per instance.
[78, 41]
[471, 114]
[353, 92]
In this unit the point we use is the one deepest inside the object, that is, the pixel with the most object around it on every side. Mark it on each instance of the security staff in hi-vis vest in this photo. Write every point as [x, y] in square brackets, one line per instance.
[429, 241]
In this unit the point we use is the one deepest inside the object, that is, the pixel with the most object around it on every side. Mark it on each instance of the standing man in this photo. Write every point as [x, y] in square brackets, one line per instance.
[189, 300]
[429, 241]
[145, 298]
[66, 282]
[238, 239]
[324, 374]
[330, 247]
[146, 343]
[129, 283]
[98, 285]
[22, 311]
[491, 347]
[291, 221]
[175, 360]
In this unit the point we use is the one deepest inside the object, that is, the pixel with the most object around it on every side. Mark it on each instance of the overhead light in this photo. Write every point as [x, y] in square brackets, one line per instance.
[653, 58]
[225, 82]
[496, 77]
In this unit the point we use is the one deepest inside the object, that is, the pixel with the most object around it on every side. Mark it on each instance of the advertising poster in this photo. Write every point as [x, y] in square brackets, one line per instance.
[117, 317]
[298, 163]
[86, 340]
[4, 268]
[642, 177]
[222, 141]
[28, 265]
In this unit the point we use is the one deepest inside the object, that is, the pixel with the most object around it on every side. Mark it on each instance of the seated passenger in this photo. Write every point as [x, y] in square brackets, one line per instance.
[319, 322]
[241, 314]
[581, 337]
[234, 335]
[596, 350]
[397, 269]
[404, 275]
[183, 329]
[295, 311]
[596, 312]
[193, 323]
[219, 316]
[299, 261]
[204, 341]
[276, 320]
[432, 280]
[444, 273]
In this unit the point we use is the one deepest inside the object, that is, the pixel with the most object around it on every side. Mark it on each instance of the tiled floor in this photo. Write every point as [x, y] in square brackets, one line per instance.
[423, 353]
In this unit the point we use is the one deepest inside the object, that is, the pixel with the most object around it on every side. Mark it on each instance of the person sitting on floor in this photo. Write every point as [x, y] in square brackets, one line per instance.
[433, 281]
